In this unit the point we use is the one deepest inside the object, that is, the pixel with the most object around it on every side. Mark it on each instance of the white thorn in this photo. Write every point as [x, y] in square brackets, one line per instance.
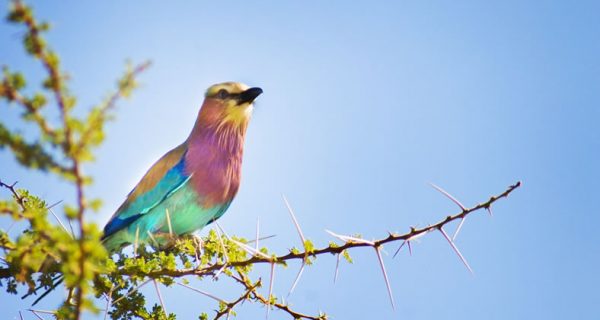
[455, 248]
[36, 315]
[225, 254]
[462, 221]
[58, 219]
[108, 301]
[385, 277]
[169, 222]
[350, 239]
[250, 250]
[152, 238]
[43, 311]
[297, 278]
[137, 237]
[449, 196]
[162, 303]
[202, 292]
[272, 278]
[295, 221]
[131, 291]
[220, 270]
[337, 266]
[257, 233]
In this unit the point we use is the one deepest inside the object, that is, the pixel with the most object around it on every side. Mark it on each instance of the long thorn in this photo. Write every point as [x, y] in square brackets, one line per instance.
[152, 238]
[198, 242]
[21, 315]
[220, 270]
[489, 210]
[108, 300]
[337, 268]
[137, 237]
[291, 211]
[257, 233]
[71, 227]
[409, 247]
[455, 248]
[262, 238]
[162, 303]
[225, 254]
[350, 238]
[297, 278]
[36, 315]
[449, 196]
[202, 292]
[398, 250]
[272, 279]
[250, 250]
[131, 291]
[462, 221]
[43, 311]
[58, 219]
[385, 277]
[169, 222]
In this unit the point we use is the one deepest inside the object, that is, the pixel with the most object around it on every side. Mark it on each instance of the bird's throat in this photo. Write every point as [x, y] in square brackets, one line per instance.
[214, 159]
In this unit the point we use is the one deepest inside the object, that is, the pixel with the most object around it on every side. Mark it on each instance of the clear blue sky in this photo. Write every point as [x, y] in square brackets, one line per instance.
[365, 103]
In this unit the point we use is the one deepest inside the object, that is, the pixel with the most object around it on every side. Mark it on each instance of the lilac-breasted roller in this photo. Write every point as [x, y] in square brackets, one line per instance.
[193, 184]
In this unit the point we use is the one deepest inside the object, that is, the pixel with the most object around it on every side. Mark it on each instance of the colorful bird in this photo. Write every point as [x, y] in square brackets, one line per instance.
[193, 184]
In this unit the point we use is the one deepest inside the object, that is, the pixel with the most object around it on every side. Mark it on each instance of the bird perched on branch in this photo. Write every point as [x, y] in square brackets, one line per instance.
[193, 184]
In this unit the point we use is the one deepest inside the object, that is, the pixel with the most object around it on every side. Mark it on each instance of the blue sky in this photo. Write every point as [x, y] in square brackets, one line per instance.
[364, 104]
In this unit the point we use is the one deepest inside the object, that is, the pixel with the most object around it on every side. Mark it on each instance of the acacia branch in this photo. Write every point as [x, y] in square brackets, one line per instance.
[349, 244]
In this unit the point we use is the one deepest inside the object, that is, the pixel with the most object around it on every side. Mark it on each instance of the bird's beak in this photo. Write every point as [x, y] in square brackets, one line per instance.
[249, 95]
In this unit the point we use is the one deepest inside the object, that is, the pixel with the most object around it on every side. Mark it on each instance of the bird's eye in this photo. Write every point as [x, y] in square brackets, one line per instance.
[222, 94]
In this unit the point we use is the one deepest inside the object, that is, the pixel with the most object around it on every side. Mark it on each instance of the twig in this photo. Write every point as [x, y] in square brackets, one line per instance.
[11, 187]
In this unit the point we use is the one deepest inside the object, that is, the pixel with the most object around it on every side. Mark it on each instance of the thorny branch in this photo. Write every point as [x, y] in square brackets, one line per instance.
[392, 237]
[250, 292]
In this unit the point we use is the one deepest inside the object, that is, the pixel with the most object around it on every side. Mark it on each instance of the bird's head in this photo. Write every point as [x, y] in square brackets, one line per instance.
[228, 104]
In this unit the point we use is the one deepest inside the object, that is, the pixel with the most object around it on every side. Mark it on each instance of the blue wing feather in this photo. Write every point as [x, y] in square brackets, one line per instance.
[173, 179]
